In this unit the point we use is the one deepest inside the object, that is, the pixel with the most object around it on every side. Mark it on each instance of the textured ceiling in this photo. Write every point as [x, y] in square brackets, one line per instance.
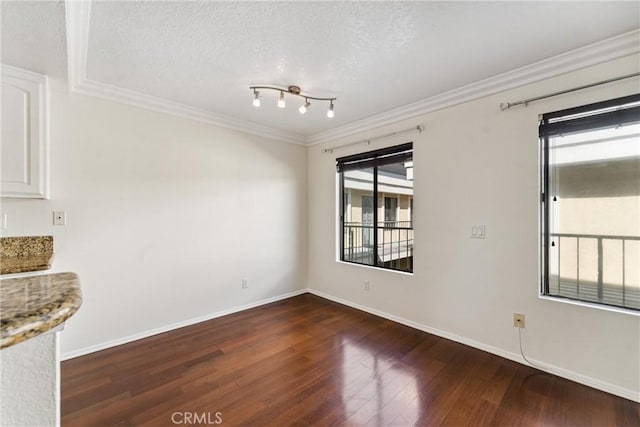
[33, 36]
[372, 56]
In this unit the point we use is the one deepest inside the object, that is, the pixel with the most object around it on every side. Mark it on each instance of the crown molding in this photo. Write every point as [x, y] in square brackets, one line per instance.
[78, 17]
[607, 50]
[160, 105]
[78, 14]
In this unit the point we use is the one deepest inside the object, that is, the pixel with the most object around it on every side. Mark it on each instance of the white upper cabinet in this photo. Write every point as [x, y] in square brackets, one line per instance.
[24, 132]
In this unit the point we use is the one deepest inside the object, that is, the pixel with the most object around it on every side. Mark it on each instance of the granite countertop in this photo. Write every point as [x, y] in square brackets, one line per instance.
[32, 305]
[26, 253]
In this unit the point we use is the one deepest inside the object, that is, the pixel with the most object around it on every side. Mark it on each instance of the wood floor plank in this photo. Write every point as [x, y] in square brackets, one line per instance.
[308, 361]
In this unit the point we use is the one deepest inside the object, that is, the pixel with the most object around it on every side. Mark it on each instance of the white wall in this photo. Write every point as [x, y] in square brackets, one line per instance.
[475, 164]
[29, 383]
[165, 217]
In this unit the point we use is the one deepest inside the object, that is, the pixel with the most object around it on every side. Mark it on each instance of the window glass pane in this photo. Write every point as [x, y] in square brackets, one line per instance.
[358, 216]
[377, 207]
[594, 216]
[395, 229]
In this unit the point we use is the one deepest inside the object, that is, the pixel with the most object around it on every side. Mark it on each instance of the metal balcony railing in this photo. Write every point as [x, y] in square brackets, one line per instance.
[591, 285]
[395, 241]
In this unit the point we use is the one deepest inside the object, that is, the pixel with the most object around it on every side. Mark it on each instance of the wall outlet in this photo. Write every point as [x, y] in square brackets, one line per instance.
[59, 218]
[245, 283]
[518, 320]
[367, 286]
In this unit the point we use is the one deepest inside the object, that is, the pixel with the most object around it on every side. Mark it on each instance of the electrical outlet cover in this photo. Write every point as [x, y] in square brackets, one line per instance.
[518, 320]
[59, 218]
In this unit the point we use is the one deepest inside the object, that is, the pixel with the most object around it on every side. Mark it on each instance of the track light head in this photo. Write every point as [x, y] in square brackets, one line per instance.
[281, 103]
[303, 108]
[256, 98]
[330, 112]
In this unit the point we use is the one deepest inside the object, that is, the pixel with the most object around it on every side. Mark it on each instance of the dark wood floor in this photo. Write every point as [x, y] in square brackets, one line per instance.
[308, 361]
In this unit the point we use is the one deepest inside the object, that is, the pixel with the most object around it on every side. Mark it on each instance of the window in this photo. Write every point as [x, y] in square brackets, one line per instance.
[390, 208]
[376, 212]
[591, 203]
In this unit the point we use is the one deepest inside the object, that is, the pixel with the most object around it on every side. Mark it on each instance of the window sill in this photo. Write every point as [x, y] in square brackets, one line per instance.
[355, 264]
[591, 305]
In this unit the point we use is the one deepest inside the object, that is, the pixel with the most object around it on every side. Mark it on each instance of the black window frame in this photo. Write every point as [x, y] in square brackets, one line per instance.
[371, 159]
[599, 115]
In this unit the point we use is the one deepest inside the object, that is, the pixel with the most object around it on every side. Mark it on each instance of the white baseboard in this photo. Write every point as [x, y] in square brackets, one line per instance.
[189, 322]
[516, 357]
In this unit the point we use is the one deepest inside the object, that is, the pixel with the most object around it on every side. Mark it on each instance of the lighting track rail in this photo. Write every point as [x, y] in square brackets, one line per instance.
[292, 90]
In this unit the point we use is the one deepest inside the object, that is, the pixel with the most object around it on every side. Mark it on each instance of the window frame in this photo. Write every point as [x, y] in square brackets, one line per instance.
[581, 123]
[370, 159]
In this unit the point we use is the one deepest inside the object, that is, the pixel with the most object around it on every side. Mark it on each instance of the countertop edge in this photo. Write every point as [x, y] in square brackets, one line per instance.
[56, 312]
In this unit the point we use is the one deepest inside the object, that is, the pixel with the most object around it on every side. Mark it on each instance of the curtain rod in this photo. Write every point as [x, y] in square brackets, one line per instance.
[506, 105]
[418, 128]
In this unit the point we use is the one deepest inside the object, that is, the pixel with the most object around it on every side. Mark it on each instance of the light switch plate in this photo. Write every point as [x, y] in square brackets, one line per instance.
[477, 232]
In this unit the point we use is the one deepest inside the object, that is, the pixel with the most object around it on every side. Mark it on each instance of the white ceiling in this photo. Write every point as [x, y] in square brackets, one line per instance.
[33, 37]
[372, 56]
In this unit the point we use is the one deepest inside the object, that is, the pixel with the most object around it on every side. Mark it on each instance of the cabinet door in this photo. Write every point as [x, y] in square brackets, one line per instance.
[23, 147]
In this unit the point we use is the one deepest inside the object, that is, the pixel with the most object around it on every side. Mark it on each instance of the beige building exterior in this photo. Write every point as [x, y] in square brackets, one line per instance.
[394, 217]
[595, 218]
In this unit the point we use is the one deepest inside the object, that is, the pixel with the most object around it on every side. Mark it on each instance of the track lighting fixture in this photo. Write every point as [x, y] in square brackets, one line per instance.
[292, 90]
